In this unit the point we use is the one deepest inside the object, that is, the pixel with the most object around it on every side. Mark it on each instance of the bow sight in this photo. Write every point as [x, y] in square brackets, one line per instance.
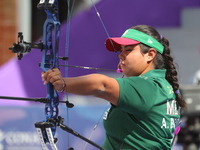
[22, 47]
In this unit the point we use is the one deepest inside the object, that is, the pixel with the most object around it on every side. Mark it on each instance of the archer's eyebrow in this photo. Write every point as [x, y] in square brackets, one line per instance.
[125, 46]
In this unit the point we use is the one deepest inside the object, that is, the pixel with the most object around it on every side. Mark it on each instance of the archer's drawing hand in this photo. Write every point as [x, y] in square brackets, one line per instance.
[54, 76]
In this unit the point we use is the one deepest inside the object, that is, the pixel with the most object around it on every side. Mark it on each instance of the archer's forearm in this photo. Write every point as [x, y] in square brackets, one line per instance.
[92, 84]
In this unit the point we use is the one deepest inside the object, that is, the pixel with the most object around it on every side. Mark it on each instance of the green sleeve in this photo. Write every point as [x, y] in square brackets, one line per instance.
[136, 95]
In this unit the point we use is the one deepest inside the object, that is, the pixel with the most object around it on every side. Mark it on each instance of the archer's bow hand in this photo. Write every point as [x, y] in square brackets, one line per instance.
[54, 76]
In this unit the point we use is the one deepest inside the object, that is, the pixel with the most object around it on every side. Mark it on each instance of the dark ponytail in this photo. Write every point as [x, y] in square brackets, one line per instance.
[171, 74]
[163, 61]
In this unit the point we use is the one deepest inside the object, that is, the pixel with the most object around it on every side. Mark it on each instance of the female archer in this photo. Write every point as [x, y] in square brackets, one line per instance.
[145, 106]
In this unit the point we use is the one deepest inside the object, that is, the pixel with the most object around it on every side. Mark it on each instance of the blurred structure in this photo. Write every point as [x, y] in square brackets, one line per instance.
[8, 28]
[189, 135]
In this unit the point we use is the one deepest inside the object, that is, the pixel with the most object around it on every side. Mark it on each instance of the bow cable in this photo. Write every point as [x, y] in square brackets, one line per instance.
[108, 35]
[69, 15]
[104, 27]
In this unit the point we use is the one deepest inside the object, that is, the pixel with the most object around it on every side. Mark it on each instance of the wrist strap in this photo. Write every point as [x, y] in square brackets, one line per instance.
[63, 86]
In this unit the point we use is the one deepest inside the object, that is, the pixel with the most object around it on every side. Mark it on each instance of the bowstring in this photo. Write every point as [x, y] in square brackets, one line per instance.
[69, 15]
[108, 104]
[96, 125]
[104, 27]
[98, 14]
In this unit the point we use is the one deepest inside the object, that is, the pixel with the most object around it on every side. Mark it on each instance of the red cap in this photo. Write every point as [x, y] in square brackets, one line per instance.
[114, 44]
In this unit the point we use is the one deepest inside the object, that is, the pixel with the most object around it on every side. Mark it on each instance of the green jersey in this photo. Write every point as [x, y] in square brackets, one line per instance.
[145, 116]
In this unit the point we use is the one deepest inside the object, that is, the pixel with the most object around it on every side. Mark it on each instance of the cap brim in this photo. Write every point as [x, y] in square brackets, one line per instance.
[114, 44]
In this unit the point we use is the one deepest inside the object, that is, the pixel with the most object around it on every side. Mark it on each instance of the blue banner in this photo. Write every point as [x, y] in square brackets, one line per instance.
[17, 130]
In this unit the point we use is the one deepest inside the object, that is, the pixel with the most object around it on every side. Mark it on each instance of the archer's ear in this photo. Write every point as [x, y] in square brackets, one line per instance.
[151, 54]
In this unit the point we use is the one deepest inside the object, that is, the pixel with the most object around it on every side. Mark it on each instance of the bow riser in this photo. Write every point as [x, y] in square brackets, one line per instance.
[51, 34]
